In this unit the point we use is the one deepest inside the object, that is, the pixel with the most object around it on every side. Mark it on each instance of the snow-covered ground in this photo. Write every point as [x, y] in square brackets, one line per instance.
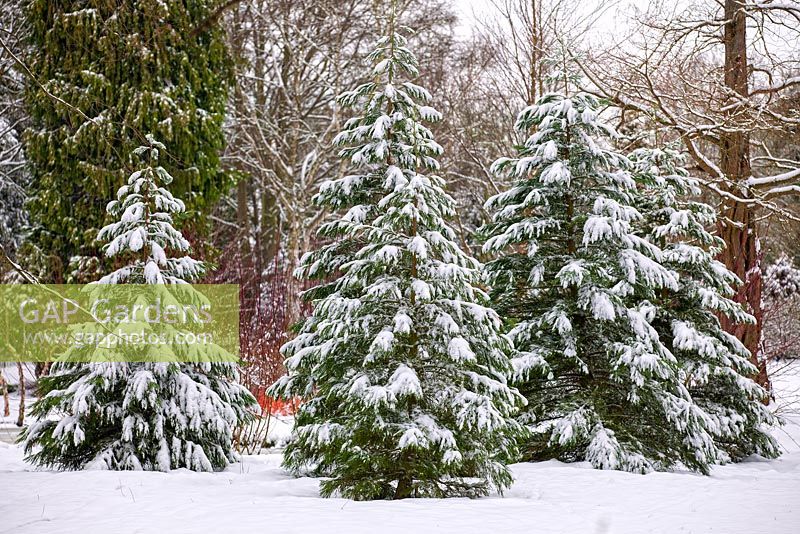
[753, 497]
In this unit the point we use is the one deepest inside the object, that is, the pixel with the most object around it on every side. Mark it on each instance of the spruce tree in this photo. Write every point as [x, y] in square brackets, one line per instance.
[402, 366]
[132, 415]
[120, 70]
[577, 286]
[715, 365]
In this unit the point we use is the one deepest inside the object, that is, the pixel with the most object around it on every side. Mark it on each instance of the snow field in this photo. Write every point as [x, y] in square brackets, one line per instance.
[753, 497]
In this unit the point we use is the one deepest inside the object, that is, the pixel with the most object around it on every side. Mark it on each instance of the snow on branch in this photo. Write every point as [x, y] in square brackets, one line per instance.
[777, 179]
[777, 87]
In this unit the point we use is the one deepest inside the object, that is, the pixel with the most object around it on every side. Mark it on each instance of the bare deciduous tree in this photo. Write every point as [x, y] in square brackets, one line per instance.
[524, 34]
[13, 117]
[21, 384]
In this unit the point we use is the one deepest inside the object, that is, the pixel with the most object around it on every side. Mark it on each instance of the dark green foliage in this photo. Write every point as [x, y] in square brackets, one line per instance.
[125, 69]
[576, 283]
[715, 364]
[402, 366]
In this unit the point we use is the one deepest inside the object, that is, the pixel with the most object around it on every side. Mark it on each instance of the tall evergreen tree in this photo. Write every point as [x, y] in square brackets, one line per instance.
[122, 68]
[715, 365]
[577, 285]
[151, 415]
[402, 364]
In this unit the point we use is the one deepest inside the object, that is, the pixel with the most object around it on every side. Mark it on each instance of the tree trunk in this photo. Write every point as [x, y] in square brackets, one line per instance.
[4, 390]
[270, 237]
[742, 256]
[737, 224]
[404, 485]
[248, 275]
[293, 252]
[248, 279]
[535, 70]
[21, 416]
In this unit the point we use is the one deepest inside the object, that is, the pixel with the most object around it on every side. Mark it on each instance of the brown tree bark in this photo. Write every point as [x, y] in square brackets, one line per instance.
[742, 256]
[737, 225]
[536, 78]
[404, 487]
[21, 416]
[4, 390]
[248, 278]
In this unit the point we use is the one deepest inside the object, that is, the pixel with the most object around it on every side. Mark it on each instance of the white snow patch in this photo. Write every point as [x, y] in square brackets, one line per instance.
[753, 497]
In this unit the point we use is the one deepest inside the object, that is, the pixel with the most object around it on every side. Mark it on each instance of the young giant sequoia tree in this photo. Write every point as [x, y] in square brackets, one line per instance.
[402, 363]
[577, 284]
[140, 415]
[715, 363]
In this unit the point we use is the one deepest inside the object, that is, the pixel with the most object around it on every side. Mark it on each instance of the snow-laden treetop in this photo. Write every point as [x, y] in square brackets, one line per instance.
[144, 230]
[572, 191]
[390, 130]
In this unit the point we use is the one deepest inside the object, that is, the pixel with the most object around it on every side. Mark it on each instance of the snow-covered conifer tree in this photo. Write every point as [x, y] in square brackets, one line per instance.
[401, 363]
[781, 304]
[152, 415]
[782, 279]
[144, 229]
[576, 284]
[715, 365]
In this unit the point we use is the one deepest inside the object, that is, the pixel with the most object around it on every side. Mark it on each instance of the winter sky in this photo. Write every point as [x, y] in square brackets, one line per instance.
[608, 15]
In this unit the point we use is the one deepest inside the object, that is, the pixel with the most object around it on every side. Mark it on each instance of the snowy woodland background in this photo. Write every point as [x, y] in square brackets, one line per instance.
[466, 234]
